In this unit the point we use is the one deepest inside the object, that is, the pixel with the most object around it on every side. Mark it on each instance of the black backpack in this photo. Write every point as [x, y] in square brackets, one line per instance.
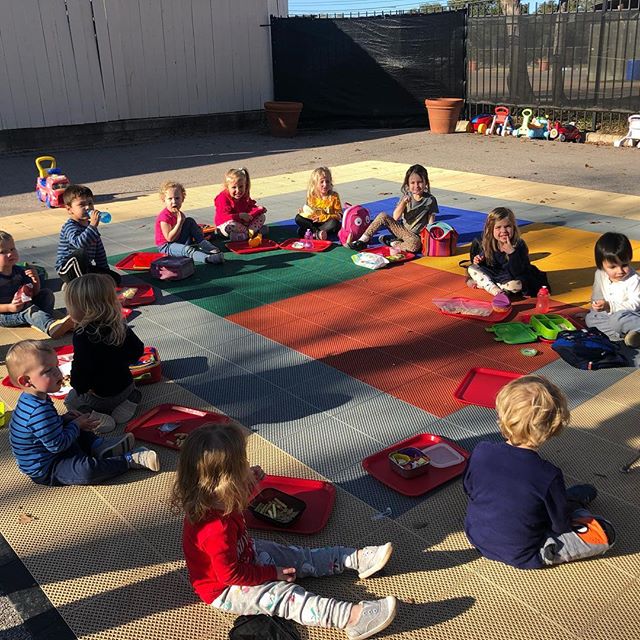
[591, 349]
[263, 627]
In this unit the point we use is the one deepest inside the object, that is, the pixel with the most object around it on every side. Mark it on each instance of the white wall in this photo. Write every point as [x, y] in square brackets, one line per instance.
[82, 61]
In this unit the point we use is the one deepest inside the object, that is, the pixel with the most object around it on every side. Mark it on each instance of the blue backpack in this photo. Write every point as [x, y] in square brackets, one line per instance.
[591, 349]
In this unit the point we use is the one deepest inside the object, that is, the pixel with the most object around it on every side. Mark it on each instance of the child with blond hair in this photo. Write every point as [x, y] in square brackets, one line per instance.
[519, 510]
[59, 450]
[236, 574]
[322, 212]
[177, 235]
[237, 216]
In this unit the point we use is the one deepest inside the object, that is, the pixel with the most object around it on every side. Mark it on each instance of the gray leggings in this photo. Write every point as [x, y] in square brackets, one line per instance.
[409, 241]
[288, 599]
[91, 402]
[616, 325]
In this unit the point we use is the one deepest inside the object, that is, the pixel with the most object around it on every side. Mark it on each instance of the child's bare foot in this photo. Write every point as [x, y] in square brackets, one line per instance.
[372, 616]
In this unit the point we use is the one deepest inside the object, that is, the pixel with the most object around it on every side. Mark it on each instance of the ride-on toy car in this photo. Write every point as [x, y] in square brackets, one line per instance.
[565, 132]
[51, 182]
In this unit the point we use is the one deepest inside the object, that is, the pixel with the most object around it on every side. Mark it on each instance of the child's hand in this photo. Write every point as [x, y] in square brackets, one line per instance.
[600, 305]
[15, 307]
[507, 247]
[85, 422]
[258, 472]
[287, 574]
[245, 217]
[32, 274]
[478, 259]
[94, 218]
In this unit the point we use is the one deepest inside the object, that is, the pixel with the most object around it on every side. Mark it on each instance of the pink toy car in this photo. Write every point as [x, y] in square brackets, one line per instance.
[50, 183]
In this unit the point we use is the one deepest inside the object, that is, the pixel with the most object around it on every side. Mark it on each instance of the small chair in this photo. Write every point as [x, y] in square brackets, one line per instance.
[633, 135]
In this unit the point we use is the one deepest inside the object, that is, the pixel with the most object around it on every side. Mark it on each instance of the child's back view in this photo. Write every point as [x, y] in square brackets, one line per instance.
[519, 511]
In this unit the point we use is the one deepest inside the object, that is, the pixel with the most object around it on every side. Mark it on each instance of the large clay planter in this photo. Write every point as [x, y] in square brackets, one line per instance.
[282, 117]
[443, 114]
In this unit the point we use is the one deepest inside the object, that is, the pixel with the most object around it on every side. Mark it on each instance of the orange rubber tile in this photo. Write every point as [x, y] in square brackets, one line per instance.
[261, 318]
[421, 393]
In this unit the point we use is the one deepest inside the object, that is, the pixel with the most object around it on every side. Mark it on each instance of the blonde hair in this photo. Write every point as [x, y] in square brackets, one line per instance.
[531, 410]
[236, 174]
[21, 354]
[314, 179]
[6, 237]
[213, 472]
[169, 184]
[93, 304]
[489, 243]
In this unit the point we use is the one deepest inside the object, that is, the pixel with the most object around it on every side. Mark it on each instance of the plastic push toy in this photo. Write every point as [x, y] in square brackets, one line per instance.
[502, 124]
[566, 132]
[527, 114]
[50, 182]
[632, 138]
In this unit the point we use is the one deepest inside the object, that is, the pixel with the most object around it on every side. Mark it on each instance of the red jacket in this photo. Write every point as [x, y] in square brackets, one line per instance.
[220, 553]
[228, 208]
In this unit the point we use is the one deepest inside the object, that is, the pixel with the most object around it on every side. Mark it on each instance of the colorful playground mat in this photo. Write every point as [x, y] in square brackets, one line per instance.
[328, 365]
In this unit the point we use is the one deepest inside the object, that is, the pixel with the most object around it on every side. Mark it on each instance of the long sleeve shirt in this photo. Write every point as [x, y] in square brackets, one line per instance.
[516, 499]
[228, 208]
[75, 236]
[219, 553]
[621, 296]
[326, 208]
[100, 367]
[38, 434]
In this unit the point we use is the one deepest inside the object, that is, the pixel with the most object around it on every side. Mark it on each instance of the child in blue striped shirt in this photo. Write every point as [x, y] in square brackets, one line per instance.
[80, 248]
[59, 450]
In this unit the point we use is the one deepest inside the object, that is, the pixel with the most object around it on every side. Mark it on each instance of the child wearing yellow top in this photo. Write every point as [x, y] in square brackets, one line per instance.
[323, 211]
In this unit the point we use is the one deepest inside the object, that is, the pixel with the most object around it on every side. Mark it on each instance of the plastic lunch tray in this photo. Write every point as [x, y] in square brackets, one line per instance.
[548, 325]
[318, 495]
[146, 427]
[243, 247]
[386, 252]
[318, 245]
[138, 261]
[513, 333]
[377, 465]
[494, 316]
[144, 295]
[481, 386]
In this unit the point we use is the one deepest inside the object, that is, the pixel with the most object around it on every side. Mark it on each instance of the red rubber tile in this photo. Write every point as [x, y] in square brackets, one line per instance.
[431, 392]
[260, 318]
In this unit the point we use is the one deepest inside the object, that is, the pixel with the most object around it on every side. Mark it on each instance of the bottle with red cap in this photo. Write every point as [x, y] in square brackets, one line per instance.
[542, 300]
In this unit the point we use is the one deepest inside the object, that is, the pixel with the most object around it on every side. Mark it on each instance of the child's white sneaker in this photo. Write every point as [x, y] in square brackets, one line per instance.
[376, 615]
[372, 559]
[143, 458]
[632, 339]
[114, 447]
[106, 423]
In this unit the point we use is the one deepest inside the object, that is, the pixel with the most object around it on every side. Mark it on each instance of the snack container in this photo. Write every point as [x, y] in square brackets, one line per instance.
[409, 462]
[276, 507]
[501, 303]
[148, 369]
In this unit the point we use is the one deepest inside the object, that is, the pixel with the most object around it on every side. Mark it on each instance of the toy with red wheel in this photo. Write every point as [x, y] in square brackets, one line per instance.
[50, 182]
[566, 132]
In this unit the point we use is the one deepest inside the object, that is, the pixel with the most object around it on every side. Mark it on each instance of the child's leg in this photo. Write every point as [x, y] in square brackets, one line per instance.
[381, 220]
[235, 231]
[74, 266]
[482, 279]
[40, 313]
[603, 321]
[408, 241]
[116, 277]
[190, 233]
[624, 322]
[512, 286]
[177, 249]
[591, 536]
[331, 227]
[257, 223]
[304, 224]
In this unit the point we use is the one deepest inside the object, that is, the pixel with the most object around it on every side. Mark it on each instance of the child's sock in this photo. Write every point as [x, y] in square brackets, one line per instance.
[113, 447]
[208, 247]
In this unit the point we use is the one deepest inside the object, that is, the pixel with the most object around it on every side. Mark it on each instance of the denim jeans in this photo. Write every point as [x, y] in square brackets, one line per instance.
[38, 314]
[188, 243]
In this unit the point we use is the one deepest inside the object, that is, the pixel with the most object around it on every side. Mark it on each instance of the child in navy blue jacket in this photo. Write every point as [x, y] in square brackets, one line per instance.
[519, 510]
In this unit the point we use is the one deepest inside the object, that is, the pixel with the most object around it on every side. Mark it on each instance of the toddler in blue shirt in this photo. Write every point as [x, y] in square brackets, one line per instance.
[519, 510]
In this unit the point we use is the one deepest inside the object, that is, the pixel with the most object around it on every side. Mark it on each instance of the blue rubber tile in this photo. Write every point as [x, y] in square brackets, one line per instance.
[387, 419]
[465, 438]
[249, 351]
[175, 314]
[149, 331]
[304, 373]
[477, 420]
[359, 483]
[213, 331]
[333, 391]
[328, 446]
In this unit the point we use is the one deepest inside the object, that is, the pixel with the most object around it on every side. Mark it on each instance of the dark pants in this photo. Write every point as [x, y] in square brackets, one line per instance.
[330, 226]
[76, 465]
[77, 264]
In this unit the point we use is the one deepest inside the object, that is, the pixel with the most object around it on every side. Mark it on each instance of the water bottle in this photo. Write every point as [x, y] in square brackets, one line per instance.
[542, 300]
[308, 239]
[105, 216]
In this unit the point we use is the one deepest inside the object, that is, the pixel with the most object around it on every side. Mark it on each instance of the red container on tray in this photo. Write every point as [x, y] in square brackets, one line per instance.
[148, 368]
[274, 498]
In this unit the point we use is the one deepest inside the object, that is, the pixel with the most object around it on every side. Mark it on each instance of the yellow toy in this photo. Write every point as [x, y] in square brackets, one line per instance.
[255, 239]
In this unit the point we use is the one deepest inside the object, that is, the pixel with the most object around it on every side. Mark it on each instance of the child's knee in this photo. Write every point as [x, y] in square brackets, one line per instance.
[513, 286]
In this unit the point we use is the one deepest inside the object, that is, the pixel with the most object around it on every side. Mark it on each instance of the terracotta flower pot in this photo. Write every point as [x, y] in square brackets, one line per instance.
[282, 117]
[443, 114]
[544, 65]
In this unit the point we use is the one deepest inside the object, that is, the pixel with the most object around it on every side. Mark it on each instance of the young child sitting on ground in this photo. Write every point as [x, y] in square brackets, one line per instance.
[323, 212]
[500, 258]
[103, 349]
[80, 248]
[415, 210]
[235, 573]
[23, 301]
[519, 510]
[615, 297]
[177, 235]
[237, 215]
[61, 450]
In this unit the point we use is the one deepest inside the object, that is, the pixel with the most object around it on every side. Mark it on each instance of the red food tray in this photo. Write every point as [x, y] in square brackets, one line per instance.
[377, 465]
[144, 295]
[126, 312]
[386, 252]
[318, 245]
[318, 495]
[138, 261]
[481, 386]
[243, 247]
[65, 355]
[146, 426]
